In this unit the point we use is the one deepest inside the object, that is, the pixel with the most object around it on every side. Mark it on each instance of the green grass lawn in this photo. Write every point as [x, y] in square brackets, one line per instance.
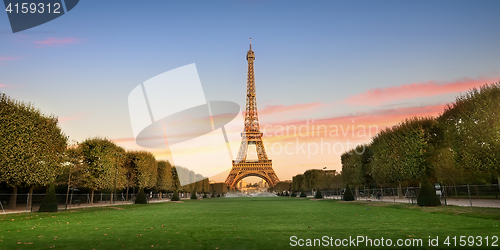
[242, 223]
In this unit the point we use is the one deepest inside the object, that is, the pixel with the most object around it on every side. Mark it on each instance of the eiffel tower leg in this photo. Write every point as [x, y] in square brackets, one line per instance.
[261, 150]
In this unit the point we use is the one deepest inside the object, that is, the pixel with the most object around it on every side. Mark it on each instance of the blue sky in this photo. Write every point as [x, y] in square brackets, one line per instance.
[82, 66]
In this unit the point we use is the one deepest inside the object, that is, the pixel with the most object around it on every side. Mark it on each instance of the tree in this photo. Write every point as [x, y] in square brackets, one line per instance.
[73, 172]
[314, 179]
[356, 166]
[402, 153]
[471, 126]
[164, 179]
[144, 167]
[103, 162]
[298, 182]
[31, 146]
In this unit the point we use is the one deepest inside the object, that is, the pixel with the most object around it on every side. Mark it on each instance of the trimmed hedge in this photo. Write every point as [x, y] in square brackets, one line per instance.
[193, 196]
[293, 194]
[427, 196]
[303, 194]
[49, 202]
[175, 197]
[141, 197]
[348, 194]
[318, 195]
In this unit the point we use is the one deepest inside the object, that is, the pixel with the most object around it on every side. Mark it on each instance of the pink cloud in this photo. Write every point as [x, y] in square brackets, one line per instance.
[272, 109]
[52, 41]
[69, 118]
[414, 90]
[4, 86]
[7, 58]
[352, 125]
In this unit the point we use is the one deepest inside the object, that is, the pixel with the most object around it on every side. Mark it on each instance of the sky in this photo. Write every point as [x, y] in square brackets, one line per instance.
[342, 70]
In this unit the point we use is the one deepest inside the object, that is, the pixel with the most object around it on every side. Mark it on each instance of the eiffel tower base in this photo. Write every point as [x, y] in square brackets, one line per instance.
[262, 169]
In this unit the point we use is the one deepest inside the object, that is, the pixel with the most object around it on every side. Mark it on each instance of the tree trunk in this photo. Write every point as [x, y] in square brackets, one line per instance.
[92, 198]
[67, 192]
[160, 196]
[357, 192]
[126, 196]
[400, 191]
[13, 198]
[30, 200]
[498, 178]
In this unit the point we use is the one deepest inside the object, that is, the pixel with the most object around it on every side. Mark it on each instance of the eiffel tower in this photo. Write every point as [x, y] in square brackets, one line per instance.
[263, 167]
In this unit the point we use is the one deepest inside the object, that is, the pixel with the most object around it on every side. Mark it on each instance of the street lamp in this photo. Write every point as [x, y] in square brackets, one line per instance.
[116, 177]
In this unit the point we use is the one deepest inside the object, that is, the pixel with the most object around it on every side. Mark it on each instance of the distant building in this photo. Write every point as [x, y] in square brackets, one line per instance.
[263, 184]
[242, 184]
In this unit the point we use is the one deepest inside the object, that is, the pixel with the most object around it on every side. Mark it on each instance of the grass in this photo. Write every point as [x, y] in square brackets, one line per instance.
[239, 223]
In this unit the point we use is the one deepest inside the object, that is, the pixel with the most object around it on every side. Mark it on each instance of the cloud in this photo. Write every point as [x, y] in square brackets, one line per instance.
[355, 127]
[4, 86]
[273, 109]
[70, 118]
[414, 90]
[52, 41]
[7, 58]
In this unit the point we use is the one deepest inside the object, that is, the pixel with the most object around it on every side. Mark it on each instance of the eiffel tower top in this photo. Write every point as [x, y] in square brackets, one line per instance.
[250, 54]
[251, 117]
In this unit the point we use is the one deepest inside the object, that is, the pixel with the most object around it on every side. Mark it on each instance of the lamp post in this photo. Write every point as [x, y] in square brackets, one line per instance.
[116, 177]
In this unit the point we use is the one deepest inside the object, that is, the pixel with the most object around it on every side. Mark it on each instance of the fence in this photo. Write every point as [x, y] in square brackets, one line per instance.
[31, 203]
[461, 195]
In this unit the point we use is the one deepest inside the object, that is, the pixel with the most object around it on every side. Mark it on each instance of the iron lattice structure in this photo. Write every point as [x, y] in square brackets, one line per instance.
[242, 167]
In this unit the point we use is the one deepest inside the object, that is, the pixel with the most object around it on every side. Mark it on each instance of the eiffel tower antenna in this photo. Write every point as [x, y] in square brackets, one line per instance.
[252, 135]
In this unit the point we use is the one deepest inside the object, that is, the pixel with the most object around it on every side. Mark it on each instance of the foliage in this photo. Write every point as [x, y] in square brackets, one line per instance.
[314, 179]
[103, 162]
[401, 153]
[144, 167]
[49, 202]
[348, 194]
[303, 194]
[176, 185]
[141, 197]
[193, 195]
[356, 166]
[73, 172]
[175, 196]
[298, 182]
[471, 126]
[293, 194]
[164, 178]
[31, 145]
[427, 195]
[318, 195]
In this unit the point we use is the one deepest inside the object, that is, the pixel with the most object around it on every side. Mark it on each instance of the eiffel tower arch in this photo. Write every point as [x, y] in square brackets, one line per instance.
[242, 167]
